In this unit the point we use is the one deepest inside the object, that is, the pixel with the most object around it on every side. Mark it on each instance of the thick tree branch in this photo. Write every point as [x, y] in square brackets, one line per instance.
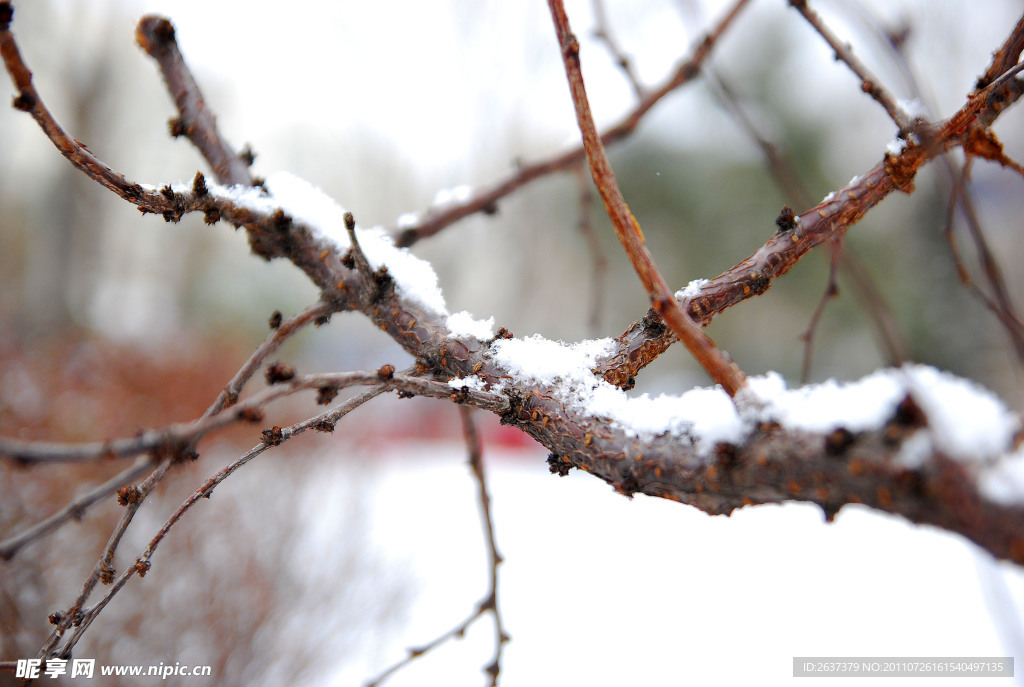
[770, 462]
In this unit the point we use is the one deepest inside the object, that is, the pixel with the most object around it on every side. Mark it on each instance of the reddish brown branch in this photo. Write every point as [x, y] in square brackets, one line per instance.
[73, 510]
[788, 182]
[721, 369]
[769, 463]
[28, 100]
[646, 339]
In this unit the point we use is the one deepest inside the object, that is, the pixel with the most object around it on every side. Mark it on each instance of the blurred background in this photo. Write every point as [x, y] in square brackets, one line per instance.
[321, 561]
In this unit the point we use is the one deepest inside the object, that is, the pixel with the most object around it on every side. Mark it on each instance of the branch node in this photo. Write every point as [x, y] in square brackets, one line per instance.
[130, 494]
[786, 221]
[272, 436]
[559, 465]
[278, 372]
[199, 186]
[6, 15]
[24, 101]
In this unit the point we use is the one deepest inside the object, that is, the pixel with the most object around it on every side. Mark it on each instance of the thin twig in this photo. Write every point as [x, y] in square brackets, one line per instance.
[250, 410]
[603, 31]
[490, 602]
[843, 52]
[155, 35]
[831, 291]
[867, 291]
[999, 302]
[890, 337]
[721, 369]
[281, 331]
[643, 341]
[82, 620]
[74, 510]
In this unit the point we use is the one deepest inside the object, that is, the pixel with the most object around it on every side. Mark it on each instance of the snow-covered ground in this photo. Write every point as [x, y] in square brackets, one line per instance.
[601, 590]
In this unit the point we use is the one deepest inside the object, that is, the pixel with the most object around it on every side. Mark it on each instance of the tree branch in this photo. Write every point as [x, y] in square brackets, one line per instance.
[701, 347]
[646, 339]
[155, 35]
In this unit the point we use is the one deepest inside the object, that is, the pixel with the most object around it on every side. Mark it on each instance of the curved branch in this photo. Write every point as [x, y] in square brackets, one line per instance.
[723, 370]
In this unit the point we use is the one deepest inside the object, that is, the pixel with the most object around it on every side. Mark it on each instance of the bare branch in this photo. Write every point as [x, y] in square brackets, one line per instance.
[490, 602]
[868, 83]
[155, 35]
[714, 362]
[645, 339]
[74, 510]
[604, 33]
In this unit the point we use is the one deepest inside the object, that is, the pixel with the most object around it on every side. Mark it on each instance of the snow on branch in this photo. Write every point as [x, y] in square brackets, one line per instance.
[912, 440]
[891, 441]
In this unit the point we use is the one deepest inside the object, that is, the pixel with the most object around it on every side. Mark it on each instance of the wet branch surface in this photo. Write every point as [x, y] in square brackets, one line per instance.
[771, 464]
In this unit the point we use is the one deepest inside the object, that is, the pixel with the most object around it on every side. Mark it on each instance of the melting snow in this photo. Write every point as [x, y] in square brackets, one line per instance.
[691, 290]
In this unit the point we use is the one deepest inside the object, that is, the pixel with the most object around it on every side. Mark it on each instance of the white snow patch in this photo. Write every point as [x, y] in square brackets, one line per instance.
[895, 146]
[451, 196]
[829, 198]
[1003, 482]
[913, 107]
[414, 278]
[472, 381]
[544, 361]
[915, 451]
[967, 420]
[707, 415]
[463, 326]
[857, 406]
[407, 219]
[691, 290]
